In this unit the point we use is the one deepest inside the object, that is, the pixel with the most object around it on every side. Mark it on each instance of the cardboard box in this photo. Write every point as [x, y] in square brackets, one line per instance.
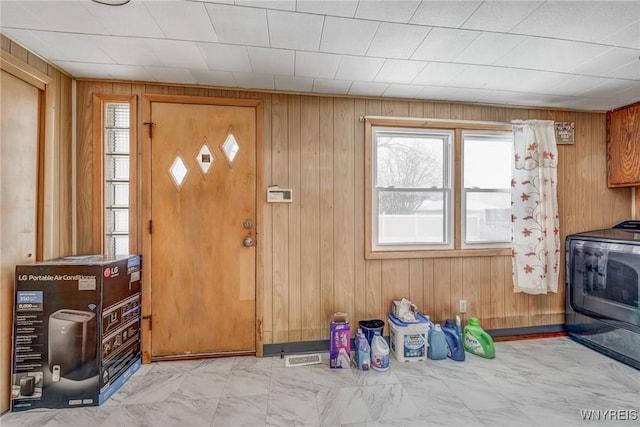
[340, 341]
[76, 330]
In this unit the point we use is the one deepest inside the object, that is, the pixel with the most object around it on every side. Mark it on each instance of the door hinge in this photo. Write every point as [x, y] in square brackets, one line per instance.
[150, 319]
[151, 125]
[150, 226]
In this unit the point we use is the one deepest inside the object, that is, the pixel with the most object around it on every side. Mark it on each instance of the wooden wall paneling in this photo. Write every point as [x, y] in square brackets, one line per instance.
[280, 224]
[264, 229]
[416, 283]
[224, 93]
[428, 298]
[196, 91]
[309, 198]
[492, 114]
[85, 241]
[327, 279]
[295, 232]
[121, 88]
[395, 284]
[5, 43]
[416, 109]
[360, 307]
[457, 111]
[344, 206]
[19, 52]
[63, 197]
[428, 109]
[441, 288]
[441, 110]
[395, 108]
[373, 296]
[471, 112]
[495, 303]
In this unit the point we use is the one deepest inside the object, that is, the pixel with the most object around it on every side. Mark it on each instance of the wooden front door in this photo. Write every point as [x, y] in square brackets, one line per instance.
[203, 207]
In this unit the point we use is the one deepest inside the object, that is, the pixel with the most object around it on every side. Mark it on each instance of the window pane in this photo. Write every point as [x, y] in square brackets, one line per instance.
[488, 217]
[116, 115]
[411, 217]
[117, 245]
[117, 141]
[487, 161]
[117, 167]
[117, 194]
[410, 161]
[117, 221]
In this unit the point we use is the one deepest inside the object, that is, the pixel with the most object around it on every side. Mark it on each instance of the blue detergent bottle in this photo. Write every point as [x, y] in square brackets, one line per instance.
[437, 344]
[363, 351]
[455, 349]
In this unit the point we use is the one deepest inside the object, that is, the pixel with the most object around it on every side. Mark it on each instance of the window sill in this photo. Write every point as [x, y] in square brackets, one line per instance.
[447, 253]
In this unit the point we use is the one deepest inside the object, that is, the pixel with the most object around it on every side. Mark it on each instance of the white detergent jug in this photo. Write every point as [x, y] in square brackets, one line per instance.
[379, 353]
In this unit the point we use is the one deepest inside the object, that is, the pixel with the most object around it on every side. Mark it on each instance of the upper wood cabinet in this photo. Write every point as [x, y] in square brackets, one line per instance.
[623, 146]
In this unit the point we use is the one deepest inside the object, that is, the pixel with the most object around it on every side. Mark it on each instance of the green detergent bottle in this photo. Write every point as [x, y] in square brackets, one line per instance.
[477, 341]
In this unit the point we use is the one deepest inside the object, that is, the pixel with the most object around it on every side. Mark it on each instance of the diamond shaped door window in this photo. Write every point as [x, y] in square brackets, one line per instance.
[230, 148]
[205, 158]
[178, 171]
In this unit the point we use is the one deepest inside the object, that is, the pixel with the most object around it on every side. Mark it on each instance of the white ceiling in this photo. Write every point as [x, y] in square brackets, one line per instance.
[570, 54]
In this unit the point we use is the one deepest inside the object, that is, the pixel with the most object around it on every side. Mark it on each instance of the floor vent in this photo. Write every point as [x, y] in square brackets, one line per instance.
[303, 359]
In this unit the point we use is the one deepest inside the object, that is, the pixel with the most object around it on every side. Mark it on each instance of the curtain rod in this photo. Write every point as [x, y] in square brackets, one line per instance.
[426, 120]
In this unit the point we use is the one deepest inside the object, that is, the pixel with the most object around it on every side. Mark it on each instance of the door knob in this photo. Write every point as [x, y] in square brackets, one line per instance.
[247, 242]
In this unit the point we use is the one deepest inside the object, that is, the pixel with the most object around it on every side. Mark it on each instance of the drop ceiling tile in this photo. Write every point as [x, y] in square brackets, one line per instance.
[132, 19]
[397, 40]
[440, 93]
[63, 16]
[37, 42]
[609, 62]
[172, 75]
[578, 85]
[127, 50]
[317, 65]
[630, 71]
[174, 52]
[300, 31]
[538, 53]
[265, 60]
[387, 10]
[628, 36]
[524, 99]
[509, 79]
[358, 68]
[488, 48]
[77, 47]
[294, 84]
[182, 20]
[399, 71]
[439, 74]
[269, 4]
[225, 57]
[347, 36]
[95, 71]
[338, 87]
[444, 13]
[214, 78]
[239, 25]
[595, 21]
[444, 44]
[397, 90]
[346, 8]
[500, 16]
[368, 89]
[14, 14]
[254, 81]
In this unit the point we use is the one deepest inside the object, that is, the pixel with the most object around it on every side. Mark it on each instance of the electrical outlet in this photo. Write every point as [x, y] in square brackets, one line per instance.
[463, 306]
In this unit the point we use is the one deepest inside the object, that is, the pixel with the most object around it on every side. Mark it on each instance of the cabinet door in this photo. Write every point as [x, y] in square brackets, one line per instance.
[623, 145]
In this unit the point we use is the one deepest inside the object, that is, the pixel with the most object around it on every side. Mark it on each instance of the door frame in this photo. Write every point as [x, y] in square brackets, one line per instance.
[145, 195]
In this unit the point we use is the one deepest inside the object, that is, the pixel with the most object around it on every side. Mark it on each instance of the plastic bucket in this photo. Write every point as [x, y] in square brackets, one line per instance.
[369, 327]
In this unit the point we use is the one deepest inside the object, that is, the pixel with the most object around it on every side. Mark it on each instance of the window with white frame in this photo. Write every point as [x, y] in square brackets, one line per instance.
[486, 192]
[412, 190]
[440, 188]
[116, 178]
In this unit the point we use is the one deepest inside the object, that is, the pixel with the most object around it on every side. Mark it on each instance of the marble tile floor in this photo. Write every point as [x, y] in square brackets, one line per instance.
[541, 382]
